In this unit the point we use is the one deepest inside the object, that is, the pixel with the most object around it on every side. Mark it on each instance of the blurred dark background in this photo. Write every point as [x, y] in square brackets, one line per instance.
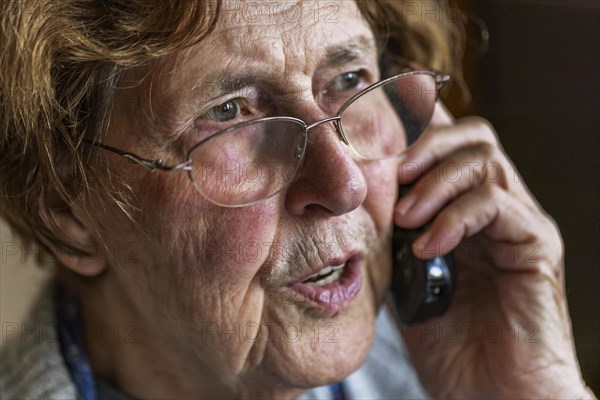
[538, 83]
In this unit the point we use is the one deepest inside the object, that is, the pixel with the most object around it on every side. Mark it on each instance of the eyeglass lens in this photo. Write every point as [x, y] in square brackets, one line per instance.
[249, 163]
[252, 162]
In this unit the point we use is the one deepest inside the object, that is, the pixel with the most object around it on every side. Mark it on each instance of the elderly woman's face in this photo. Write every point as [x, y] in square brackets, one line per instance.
[232, 290]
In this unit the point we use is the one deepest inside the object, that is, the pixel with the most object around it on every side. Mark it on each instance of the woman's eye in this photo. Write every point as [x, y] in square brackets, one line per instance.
[223, 112]
[346, 81]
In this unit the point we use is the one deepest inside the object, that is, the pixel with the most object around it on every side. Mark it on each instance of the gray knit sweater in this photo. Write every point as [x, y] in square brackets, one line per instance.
[32, 367]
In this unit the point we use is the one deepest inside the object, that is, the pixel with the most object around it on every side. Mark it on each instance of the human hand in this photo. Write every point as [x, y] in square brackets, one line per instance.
[508, 332]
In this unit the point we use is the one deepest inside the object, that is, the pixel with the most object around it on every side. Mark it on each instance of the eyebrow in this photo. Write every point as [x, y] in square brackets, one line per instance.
[349, 51]
[235, 82]
[336, 55]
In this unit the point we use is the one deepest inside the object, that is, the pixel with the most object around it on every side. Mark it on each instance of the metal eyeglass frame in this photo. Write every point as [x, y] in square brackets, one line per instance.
[158, 164]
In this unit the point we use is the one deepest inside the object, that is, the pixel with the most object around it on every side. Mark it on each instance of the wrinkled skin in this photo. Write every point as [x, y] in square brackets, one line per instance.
[200, 270]
[508, 333]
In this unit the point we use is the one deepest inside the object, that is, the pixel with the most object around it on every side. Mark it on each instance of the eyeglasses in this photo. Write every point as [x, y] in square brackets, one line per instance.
[252, 161]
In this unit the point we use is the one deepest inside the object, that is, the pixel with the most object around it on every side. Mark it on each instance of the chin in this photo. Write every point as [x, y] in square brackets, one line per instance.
[327, 349]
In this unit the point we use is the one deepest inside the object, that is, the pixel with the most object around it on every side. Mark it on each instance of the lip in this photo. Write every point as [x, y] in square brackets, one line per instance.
[336, 296]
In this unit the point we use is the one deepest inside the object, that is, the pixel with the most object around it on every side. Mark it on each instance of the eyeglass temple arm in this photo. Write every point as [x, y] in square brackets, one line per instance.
[441, 80]
[150, 165]
[399, 61]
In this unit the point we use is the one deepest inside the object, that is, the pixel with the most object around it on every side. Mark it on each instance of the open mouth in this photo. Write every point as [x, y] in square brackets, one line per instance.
[326, 275]
[332, 288]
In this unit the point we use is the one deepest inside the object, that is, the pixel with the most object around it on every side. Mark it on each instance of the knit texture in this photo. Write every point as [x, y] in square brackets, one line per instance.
[31, 364]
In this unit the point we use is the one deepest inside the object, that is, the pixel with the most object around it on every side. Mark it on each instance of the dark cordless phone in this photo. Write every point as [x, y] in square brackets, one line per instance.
[421, 289]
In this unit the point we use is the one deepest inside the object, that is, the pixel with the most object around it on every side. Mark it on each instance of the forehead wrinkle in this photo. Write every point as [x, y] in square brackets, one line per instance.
[335, 46]
[275, 48]
[246, 62]
[275, 55]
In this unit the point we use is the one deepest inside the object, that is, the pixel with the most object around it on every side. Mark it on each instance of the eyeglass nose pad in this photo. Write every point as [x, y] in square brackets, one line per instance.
[337, 124]
[298, 151]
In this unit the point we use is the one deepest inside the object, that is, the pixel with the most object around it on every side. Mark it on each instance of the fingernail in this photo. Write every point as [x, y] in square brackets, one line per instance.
[406, 203]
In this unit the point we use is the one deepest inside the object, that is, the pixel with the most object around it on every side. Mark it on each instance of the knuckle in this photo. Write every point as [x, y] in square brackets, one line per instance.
[487, 151]
[483, 128]
[493, 167]
[491, 191]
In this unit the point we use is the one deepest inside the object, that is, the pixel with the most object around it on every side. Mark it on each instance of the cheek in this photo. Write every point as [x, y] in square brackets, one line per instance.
[197, 263]
[382, 184]
[218, 247]
[237, 243]
[381, 195]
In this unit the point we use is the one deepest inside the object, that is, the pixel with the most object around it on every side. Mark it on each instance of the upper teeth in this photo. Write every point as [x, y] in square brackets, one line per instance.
[327, 270]
[326, 275]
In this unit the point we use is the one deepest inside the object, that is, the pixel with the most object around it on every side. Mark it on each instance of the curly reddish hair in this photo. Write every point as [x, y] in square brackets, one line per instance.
[60, 69]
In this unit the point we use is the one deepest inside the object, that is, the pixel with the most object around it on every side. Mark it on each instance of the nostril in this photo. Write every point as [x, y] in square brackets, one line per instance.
[330, 188]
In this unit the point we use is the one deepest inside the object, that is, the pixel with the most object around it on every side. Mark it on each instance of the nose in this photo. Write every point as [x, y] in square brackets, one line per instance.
[329, 181]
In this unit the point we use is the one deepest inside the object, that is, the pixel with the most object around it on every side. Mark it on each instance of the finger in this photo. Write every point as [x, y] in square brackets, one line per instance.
[437, 144]
[486, 208]
[456, 174]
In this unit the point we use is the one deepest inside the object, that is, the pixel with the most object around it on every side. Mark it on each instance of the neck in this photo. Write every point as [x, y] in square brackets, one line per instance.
[129, 352]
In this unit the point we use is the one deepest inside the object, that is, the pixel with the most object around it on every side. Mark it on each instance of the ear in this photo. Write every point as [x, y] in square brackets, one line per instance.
[85, 256]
